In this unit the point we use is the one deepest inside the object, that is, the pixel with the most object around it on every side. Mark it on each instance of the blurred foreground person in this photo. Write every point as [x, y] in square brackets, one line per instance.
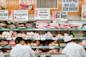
[19, 50]
[73, 49]
[28, 47]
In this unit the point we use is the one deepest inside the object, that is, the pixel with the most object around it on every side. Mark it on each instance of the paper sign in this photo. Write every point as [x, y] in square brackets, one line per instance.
[55, 15]
[3, 14]
[20, 15]
[70, 5]
[83, 15]
[42, 14]
[64, 14]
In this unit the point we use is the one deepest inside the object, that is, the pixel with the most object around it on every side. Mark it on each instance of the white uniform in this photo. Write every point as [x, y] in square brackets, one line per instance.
[74, 50]
[19, 51]
[31, 52]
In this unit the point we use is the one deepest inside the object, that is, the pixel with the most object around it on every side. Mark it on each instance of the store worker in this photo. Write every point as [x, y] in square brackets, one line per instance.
[19, 50]
[27, 45]
[73, 49]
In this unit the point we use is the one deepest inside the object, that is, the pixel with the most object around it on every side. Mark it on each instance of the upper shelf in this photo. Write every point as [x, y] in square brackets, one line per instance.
[46, 29]
[43, 39]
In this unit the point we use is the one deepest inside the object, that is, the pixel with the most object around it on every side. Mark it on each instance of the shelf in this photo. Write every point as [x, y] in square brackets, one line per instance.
[38, 47]
[5, 47]
[34, 47]
[43, 39]
[52, 47]
[45, 47]
[46, 29]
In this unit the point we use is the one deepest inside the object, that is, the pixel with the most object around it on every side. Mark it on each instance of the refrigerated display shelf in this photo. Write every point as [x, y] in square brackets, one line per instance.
[38, 47]
[59, 39]
[46, 47]
[46, 29]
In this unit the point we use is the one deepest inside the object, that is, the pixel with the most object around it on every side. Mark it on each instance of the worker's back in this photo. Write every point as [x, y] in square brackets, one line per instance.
[74, 50]
[19, 51]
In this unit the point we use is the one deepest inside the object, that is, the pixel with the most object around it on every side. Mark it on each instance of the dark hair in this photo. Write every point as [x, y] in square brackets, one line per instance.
[27, 41]
[18, 40]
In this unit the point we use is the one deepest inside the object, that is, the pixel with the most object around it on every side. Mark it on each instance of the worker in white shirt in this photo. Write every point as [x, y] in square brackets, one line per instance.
[73, 49]
[19, 50]
[28, 47]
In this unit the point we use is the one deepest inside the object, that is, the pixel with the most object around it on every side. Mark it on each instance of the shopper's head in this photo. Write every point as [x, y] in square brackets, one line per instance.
[19, 40]
[27, 42]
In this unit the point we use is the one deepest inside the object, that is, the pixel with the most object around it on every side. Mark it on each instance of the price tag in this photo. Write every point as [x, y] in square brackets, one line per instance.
[20, 15]
[3, 14]
[83, 15]
[42, 14]
[43, 38]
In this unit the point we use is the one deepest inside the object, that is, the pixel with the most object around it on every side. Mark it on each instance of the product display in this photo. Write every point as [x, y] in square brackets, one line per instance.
[43, 24]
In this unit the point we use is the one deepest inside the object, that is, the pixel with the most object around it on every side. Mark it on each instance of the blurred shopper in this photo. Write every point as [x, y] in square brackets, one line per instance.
[28, 47]
[20, 50]
[73, 49]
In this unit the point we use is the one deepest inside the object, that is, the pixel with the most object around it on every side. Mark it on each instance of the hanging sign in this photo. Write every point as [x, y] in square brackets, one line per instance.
[3, 4]
[70, 5]
[42, 14]
[27, 4]
[3, 14]
[20, 15]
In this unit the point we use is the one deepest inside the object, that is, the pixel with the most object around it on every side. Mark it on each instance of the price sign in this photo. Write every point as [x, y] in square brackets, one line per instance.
[70, 5]
[3, 14]
[20, 15]
[42, 14]
[83, 15]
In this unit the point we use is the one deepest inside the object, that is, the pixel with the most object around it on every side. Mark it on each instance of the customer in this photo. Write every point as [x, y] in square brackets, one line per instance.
[28, 47]
[73, 49]
[19, 50]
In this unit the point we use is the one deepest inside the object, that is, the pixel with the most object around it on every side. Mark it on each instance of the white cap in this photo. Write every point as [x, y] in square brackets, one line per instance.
[68, 38]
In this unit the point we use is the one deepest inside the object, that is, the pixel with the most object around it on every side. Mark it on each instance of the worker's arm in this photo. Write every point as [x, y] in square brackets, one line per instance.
[32, 53]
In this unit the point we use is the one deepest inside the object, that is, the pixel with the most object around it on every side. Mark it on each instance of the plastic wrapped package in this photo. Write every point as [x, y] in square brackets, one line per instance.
[36, 36]
[30, 34]
[54, 43]
[6, 34]
[12, 43]
[29, 25]
[2, 25]
[59, 36]
[42, 24]
[22, 34]
[54, 51]
[48, 35]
